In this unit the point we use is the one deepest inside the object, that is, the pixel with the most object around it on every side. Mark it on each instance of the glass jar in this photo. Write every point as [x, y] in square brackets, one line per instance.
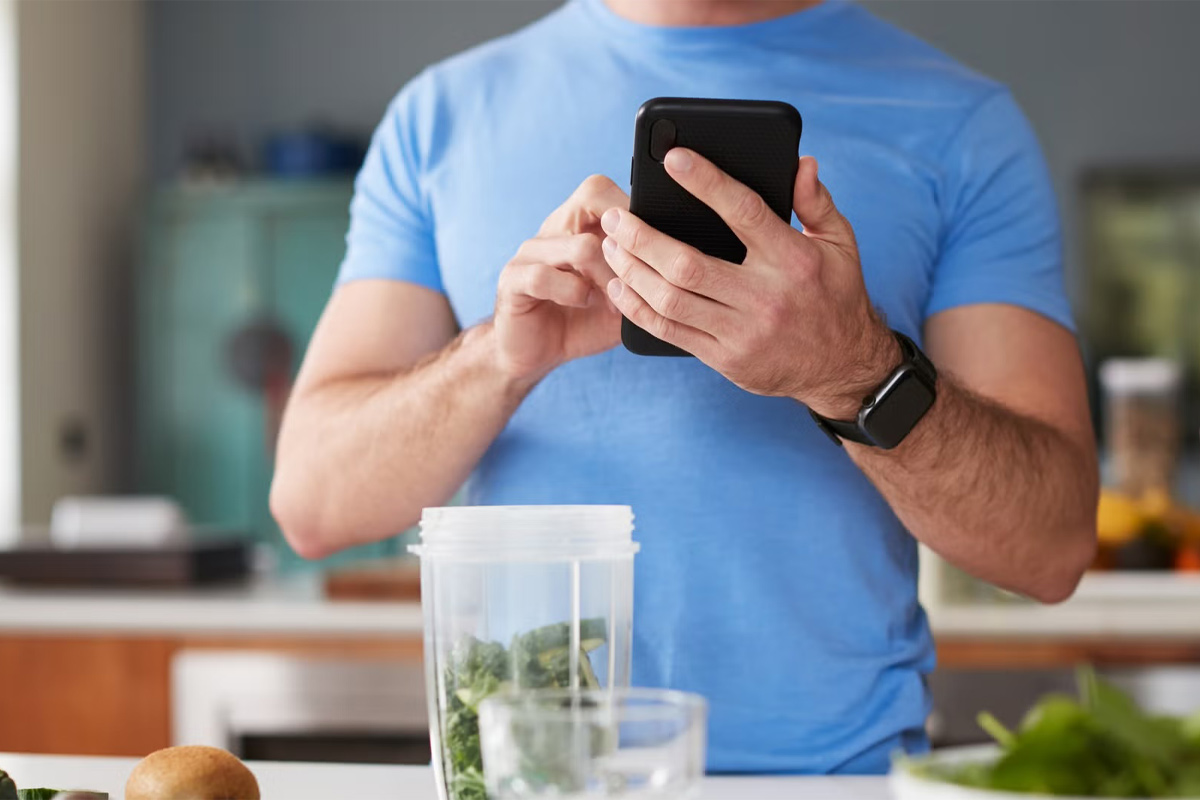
[1141, 400]
[518, 597]
[643, 743]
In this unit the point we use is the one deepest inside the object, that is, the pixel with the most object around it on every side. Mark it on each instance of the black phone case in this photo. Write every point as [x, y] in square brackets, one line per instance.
[755, 141]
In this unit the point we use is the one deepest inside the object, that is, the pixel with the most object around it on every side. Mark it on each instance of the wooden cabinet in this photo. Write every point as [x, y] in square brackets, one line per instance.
[101, 695]
[1010, 653]
[84, 696]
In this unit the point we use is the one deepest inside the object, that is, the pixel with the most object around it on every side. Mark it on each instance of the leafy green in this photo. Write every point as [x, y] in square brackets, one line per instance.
[9, 791]
[1101, 745]
[36, 794]
[538, 659]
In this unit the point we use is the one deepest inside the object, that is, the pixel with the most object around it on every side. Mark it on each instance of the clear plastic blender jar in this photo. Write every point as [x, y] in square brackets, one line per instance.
[518, 597]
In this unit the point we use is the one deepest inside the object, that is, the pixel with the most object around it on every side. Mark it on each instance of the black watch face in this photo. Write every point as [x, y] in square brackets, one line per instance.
[899, 410]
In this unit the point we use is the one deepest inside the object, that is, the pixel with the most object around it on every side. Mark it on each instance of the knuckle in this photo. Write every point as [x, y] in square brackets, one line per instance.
[774, 314]
[580, 292]
[751, 209]
[638, 311]
[504, 283]
[596, 185]
[685, 269]
[584, 246]
[539, 281]
[662, 327]
[670, 302]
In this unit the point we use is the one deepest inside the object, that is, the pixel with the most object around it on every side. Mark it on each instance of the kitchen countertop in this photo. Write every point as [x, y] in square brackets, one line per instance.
[279, 781]
[295, 606]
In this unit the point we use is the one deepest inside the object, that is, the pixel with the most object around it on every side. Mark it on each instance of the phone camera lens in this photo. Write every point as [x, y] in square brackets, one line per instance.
[662, 138]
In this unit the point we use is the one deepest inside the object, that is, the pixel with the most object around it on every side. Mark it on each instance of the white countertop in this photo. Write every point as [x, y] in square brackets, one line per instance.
[283, 606]
[279, 781]
[1106, 606]
[1079, 619]
[295, 606]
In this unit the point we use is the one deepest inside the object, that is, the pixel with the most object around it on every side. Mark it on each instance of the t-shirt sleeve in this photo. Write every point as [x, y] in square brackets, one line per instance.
[1002, 241]
[391, 229]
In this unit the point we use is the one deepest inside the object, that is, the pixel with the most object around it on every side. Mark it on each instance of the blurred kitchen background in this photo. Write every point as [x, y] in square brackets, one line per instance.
[174, 180]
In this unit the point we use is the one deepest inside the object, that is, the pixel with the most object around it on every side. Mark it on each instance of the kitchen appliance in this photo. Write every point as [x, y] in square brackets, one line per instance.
[522, 597]
[187, 563]
[283, 707]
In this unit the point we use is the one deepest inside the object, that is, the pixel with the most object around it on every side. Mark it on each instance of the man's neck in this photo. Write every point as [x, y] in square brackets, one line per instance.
[705, 12]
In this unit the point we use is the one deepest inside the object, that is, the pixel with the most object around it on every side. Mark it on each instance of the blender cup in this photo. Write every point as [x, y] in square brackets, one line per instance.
[518, 597]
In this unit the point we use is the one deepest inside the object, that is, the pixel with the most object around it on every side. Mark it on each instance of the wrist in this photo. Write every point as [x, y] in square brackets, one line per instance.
[513, 380]
[876, 357]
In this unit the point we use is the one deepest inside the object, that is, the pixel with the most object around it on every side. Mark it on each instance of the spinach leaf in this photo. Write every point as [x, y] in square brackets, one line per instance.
[538, 659]
[36, 794]
[1101, 745]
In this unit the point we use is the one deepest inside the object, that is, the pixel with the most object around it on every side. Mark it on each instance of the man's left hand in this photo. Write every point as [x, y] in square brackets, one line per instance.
[793, 320]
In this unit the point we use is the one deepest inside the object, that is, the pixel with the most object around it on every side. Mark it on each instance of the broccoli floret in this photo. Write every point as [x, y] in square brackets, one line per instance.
[8, 789]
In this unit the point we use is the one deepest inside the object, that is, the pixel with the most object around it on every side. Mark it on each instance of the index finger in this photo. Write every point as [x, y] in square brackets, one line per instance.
[581, 211]
[742, 208]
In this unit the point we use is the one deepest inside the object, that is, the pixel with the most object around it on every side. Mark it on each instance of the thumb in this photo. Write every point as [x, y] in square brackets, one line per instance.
[814, 206]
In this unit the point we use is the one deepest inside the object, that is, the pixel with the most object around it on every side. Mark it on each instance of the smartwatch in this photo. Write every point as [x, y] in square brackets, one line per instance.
[890, 412]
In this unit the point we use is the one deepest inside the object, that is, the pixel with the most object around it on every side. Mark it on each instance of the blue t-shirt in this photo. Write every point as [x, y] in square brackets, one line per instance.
[773, 579]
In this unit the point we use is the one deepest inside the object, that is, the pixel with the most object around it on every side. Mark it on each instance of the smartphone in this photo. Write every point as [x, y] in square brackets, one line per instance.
[755, 141]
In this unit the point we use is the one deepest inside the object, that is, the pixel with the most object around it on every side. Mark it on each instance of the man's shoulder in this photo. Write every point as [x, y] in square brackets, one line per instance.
[910, 68]
[498, 58]
[469, 77]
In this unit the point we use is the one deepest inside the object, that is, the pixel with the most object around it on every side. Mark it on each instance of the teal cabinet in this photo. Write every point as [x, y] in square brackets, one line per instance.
[219, 259]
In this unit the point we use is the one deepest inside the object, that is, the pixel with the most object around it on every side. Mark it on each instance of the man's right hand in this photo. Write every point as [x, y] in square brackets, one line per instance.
[551, 305]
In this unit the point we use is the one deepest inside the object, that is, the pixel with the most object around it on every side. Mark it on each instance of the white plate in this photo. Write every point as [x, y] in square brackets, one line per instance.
[906, 786]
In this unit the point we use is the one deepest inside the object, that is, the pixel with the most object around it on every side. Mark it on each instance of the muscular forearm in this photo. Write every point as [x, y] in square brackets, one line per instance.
[1002, 496]
[360, 457]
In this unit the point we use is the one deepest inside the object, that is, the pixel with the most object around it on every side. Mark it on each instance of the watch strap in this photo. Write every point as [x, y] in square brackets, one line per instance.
[838, 429]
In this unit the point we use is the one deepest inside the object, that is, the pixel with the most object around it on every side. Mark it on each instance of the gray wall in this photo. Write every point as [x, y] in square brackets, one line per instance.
[1102, 81]
[245, 68]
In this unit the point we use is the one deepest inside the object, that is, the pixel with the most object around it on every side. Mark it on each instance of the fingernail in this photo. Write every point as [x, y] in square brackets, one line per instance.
[610, 220]
[609, 245]
[615, 287]
[678, 160]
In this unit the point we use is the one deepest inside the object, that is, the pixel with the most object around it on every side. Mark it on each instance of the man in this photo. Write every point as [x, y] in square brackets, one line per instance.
[778, 571]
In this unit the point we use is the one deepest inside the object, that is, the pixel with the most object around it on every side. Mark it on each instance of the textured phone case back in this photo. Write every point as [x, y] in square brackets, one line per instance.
[756, 142]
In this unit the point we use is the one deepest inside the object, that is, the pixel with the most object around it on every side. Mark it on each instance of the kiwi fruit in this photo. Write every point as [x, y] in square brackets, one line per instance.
[191, 773]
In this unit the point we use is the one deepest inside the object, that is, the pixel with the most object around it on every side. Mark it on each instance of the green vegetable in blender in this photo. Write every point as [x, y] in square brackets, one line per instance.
[539, 659]
[1101, 745]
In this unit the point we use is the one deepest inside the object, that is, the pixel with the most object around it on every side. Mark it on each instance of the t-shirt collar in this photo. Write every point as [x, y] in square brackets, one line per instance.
[627, 31]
